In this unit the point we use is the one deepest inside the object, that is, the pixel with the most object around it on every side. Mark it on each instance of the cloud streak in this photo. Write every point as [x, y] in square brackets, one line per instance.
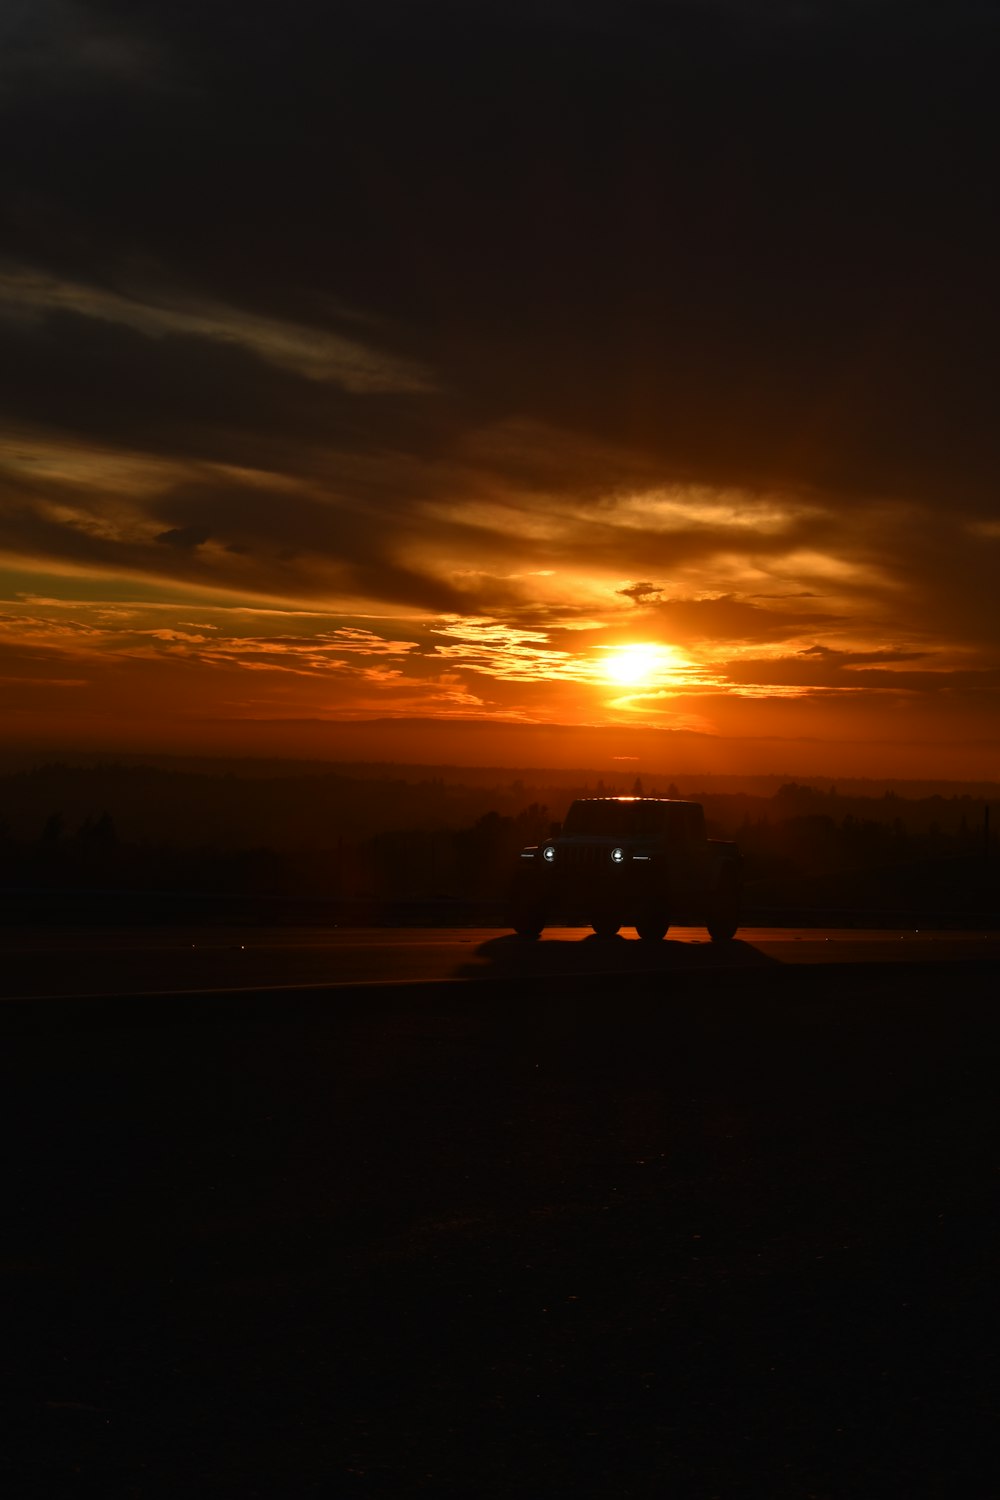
[693, 347]
[314, 353]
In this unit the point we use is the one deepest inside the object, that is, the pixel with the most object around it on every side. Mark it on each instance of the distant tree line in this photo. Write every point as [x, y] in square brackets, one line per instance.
[333, 838]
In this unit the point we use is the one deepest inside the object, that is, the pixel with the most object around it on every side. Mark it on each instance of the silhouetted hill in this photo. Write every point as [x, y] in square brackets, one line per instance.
[690, 784]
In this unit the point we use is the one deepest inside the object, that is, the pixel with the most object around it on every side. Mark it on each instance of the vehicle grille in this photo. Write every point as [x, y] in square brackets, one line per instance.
[584, 859]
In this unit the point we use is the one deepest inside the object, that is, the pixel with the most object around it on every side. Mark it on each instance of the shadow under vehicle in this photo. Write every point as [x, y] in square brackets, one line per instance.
[629, 861]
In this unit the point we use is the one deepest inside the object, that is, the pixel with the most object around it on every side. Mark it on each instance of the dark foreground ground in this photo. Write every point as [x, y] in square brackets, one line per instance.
[735, 1235]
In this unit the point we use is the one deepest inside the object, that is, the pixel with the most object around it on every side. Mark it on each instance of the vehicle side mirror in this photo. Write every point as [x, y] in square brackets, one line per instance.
[555, 829]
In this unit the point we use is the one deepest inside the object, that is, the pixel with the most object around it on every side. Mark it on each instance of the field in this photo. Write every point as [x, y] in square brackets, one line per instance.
[725, 1234]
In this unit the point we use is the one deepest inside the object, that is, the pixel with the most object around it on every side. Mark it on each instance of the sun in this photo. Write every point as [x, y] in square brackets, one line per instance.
[637, 665]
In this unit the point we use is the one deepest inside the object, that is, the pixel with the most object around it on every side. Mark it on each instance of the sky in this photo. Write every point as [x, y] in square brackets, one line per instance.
[520, 383]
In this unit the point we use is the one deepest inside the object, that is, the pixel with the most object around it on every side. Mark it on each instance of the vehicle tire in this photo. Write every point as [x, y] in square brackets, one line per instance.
[606, 926]
[725, 918]
[652, 929]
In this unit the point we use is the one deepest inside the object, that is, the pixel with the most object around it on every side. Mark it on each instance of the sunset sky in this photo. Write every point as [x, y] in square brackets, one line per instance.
[512, 381]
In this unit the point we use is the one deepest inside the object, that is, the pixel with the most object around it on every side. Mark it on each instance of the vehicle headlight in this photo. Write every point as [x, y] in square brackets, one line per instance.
[618, 855]
[548, 853]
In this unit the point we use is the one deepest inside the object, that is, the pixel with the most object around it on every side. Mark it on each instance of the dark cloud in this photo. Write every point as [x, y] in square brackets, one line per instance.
[197, 397]
[862, 673]
[641, 593]
[731, 619]
[338, 549]
[857, 658]
[753, 241]
[417, 303]
[61, 48]
[184, 538]
[728, 618]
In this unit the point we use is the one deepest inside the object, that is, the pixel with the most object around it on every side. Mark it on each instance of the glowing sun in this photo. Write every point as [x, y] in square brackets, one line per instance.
[636, 666]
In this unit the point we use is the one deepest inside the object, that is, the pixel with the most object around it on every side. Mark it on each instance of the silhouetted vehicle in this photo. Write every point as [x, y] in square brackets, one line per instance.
[629, 861]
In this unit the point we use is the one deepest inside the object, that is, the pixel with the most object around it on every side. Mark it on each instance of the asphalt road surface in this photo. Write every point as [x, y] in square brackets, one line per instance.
[568, 1232]
[101, 961]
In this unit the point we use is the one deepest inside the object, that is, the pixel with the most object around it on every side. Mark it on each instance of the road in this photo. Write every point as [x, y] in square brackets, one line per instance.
[69, 962]
[723, 1225]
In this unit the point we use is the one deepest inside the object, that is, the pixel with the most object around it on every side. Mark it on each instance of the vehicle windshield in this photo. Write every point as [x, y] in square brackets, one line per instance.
[612, 820]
